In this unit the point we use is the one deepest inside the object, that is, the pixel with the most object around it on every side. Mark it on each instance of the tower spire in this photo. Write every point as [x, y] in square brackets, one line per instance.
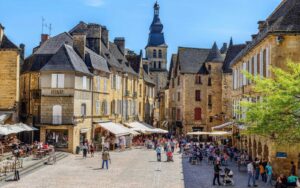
[156, 9]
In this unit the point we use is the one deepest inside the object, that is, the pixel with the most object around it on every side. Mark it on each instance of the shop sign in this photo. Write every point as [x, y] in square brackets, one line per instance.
[281, 155]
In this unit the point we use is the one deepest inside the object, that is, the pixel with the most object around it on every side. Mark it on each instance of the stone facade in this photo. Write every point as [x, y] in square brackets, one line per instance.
[268, 48]
[195, 92]
[10, 60]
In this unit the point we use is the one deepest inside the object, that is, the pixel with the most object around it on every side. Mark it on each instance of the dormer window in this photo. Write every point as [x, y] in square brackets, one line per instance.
[159, 53]
[120, 61]
[107, 55]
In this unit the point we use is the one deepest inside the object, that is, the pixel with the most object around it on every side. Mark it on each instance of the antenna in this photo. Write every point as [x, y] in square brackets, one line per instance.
[50, 29]
[43, 20]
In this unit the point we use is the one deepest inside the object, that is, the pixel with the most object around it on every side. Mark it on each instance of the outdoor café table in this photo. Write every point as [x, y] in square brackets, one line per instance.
[40, 154]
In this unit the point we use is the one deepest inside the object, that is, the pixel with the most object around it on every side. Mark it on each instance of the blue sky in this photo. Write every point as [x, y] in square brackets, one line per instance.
[188, 23]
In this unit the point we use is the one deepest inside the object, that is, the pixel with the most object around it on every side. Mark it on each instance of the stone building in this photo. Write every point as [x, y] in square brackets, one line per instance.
[195, 89]
[77, 79]
[11, 57]
[146, 87]
[278, 39]
[156, 52]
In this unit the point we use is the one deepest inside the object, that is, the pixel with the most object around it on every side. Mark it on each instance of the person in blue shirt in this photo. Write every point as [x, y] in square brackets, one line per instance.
[269, 174]
[158, 153]
[292, 180]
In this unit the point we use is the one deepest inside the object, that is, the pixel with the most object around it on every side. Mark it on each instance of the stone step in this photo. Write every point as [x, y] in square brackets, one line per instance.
[33, 167]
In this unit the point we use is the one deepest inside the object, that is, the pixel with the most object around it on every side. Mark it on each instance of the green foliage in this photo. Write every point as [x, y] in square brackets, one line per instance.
[277, 114]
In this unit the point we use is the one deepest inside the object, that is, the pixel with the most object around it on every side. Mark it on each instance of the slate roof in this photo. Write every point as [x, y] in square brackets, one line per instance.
[123, 63]
[95, 61]
[52, 45]
[214, 54]
[66, 59]
[285, 19]
[232, 52]
[156, 35]
[7, 44]
[148, 79]
[173, 62]
[190, 60]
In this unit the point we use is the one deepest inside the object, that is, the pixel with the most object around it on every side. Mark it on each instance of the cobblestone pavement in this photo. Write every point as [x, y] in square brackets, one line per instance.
[135, 168]
[201, 176]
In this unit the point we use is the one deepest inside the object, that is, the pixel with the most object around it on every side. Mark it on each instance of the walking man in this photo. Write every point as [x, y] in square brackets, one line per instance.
[217, 170]
[251, 174]
[269, 174]
[105, 158]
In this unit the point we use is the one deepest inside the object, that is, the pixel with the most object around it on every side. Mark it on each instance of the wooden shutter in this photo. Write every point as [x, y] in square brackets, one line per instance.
[197, 114]
[60, 81]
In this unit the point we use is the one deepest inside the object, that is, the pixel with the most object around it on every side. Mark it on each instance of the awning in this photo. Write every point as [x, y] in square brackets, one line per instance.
[222, 126]
[214, 133]
[115, 128]
[4, 116]
[137, 126]
[26, 127]
[198, 133]
[84, 130]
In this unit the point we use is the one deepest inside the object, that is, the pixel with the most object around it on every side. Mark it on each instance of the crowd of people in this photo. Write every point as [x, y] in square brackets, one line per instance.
[221, 155]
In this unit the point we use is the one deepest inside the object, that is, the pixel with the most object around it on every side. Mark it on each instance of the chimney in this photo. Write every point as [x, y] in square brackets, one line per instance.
[104, 36]
[79, 43]
[120, 42]
[1, 33]
[22, 52]
[254, 36]
[261, 25]
[44, 37]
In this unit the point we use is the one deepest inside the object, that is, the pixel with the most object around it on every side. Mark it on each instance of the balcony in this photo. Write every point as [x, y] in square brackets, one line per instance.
[134, 94]
[57, 120]
[127, 93]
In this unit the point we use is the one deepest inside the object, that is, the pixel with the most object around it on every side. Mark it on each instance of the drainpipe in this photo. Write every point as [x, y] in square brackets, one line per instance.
[92, 112]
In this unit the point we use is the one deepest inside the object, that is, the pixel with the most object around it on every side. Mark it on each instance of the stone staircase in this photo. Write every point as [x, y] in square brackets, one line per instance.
[32, 167]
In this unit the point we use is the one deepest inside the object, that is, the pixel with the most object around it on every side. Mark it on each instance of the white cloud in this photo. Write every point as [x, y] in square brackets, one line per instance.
[94, 3]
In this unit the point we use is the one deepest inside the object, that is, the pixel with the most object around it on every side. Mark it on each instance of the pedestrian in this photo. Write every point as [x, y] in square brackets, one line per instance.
[293, 168]
[158, 152]
[262, 172]
[269, 171]
[217, 170]
[92, 149]
[256, 166]
[84, 150]
[251, 173]
[279, 182]
[105, 158]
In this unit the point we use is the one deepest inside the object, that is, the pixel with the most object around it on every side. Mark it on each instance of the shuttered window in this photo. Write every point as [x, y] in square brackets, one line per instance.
[198, 95]
[197, 114]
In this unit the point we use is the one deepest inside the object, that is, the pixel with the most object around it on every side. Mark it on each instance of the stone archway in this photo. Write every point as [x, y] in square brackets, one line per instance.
[254, 149]
[266, 153]
[259, 150]
[249, 146]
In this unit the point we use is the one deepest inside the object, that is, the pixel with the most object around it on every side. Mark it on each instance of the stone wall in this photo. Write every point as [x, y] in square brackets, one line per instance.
[9, 76]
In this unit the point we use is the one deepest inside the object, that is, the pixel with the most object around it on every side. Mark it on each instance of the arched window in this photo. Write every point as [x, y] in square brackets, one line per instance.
[83, 109]
[159, 64]
[159, 53]
[154, 53]
[197, 114]
[57, 114]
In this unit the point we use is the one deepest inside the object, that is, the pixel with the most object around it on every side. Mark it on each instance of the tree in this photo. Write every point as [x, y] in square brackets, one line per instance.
[277, 114]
